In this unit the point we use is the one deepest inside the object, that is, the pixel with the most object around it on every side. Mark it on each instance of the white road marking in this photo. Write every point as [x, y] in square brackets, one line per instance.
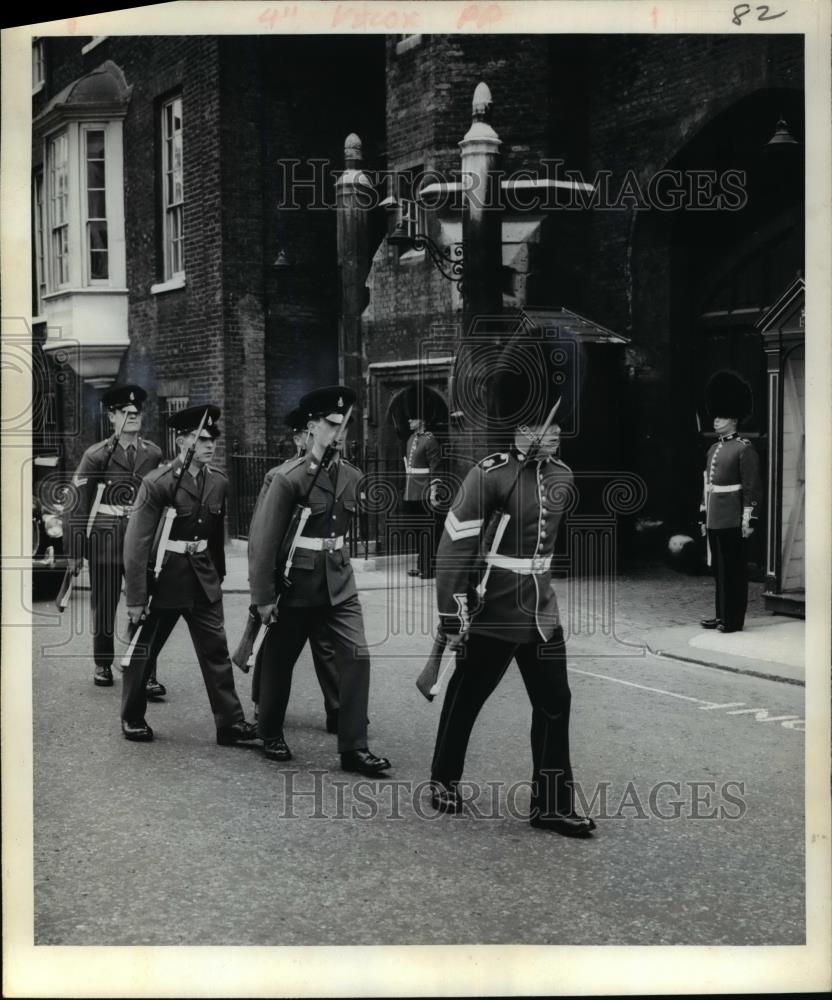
[792, 722]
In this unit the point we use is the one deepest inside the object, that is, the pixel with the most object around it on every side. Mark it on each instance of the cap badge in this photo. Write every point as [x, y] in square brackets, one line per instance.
[132, 398]
[340, 402]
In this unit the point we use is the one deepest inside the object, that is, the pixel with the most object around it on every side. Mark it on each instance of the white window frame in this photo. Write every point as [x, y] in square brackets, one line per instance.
[86, 219]
[39, 213]
[38, 65]
[58, 210]
[75, 204]
[173, 404]
[173, 210]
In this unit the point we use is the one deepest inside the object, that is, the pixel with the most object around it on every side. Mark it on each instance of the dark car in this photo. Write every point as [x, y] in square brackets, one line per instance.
[49, 560]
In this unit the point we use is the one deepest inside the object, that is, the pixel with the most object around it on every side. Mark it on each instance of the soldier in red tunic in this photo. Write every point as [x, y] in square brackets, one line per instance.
[730, 499]
[517, 619]
[421, 462]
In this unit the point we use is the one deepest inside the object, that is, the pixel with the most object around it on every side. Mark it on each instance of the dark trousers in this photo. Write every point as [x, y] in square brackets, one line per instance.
[424, 521]
[104, 552]
[207, 628]
[731, 574]
[326, 670]
[543, 669]
[342, 628]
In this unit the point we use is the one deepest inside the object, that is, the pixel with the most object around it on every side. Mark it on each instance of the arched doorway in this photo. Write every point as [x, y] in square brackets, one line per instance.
[728, 262]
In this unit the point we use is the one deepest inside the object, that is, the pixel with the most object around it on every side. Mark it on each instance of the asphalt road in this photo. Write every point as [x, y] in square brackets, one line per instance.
[184, 842]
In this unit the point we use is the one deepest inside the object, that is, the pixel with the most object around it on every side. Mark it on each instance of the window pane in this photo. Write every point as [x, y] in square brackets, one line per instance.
[98, 264]
[98, 236]
[96, 205]
[95, 145]
[95, 174]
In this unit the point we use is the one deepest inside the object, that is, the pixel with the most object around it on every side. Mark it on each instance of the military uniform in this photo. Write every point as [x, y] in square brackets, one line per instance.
[517, 617]
[323, 653]
[421, 462]
[731, 498]
[189, 584]
[105, 486]
[321, 602]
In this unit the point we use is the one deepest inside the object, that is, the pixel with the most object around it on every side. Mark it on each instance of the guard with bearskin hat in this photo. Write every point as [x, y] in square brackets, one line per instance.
[509, 611]
[730, 499]
[422, 458]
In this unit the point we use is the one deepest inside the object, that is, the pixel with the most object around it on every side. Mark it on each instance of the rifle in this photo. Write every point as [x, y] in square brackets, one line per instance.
[285, 558]
[71, 573]
[159, 546]
[429, 681]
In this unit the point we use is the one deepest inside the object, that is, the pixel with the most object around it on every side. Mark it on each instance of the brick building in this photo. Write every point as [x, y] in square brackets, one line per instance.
[267, 299]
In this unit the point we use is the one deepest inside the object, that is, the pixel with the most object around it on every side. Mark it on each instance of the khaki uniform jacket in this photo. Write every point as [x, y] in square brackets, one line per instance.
[186, 578]
[319, 578]
[423, 455]
[519, 608]
[732, 461]
[120, 479]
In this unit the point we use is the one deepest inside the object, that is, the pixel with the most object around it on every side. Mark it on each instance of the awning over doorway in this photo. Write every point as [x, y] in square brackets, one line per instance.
[576, 326]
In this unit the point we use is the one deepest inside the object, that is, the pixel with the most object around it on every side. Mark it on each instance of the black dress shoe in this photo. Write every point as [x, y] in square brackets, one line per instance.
[363, 762]
[722, 627]
[332, 722]
[103, 677]
[277, 749]
[239, 732]
[138, 732]
[154, 690]
[413, 572]
[710, 622]
[571, 825]
[444, 799]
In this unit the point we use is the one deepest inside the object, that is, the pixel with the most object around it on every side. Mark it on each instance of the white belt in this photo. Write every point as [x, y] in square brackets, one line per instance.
[525, 567]
[733, 488]
[319, 544]
[417, 472]
[176, 545]
[120, 511]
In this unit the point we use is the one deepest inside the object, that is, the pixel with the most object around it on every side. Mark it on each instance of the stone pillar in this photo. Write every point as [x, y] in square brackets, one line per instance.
[482, 252]
[353, 197]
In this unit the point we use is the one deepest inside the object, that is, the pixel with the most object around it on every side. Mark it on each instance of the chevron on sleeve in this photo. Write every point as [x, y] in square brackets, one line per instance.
[461, 529]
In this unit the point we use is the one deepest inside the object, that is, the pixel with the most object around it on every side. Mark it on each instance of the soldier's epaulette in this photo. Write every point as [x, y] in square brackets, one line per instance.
[743, 440]
[219, 472]
[349, 465]
[290, 464]
[162, 470]
[557, 461]
[495, 461]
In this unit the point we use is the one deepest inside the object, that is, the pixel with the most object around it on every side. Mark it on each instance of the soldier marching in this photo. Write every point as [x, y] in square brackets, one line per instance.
[181, 508]
[105, 486]
[319, 599]
[518, 497]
